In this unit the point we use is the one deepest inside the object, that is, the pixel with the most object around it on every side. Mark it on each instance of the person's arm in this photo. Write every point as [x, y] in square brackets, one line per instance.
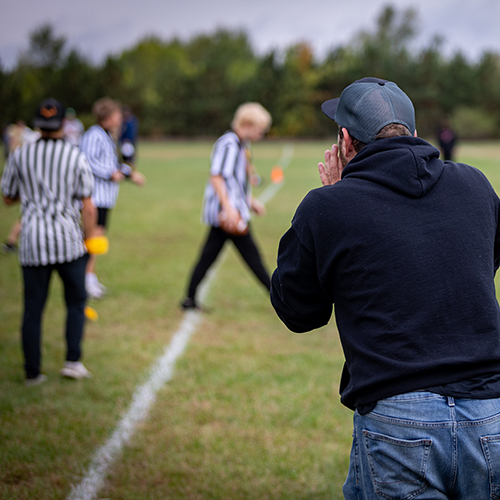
[89, 218]
[104, 169]
[296, 291]
[258, 207]
[219, 185]
[496, 250]
[10, 182]
[128, 172]
[100, 155]
[137, 178]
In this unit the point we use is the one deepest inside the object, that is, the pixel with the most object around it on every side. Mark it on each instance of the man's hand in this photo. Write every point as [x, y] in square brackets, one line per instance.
[330, 172]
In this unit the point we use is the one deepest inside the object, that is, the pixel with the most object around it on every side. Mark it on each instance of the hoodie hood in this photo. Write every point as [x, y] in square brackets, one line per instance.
[408, 165]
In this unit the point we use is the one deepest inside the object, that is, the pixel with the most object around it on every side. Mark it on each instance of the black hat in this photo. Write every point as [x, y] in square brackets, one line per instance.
[49, 115]
[368, 105]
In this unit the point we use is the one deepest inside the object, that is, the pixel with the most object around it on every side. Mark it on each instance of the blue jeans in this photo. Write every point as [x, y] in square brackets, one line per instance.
[425, 446]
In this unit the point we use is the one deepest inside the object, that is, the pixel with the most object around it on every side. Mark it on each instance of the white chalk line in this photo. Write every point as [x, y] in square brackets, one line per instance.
[161, 372]
[142, 400]
[283, 162]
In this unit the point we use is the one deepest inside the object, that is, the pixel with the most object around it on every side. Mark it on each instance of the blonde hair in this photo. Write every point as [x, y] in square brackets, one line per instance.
[252, 113]
[105, 107]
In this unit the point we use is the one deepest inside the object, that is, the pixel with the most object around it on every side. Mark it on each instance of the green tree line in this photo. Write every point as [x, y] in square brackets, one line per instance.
[192, 88]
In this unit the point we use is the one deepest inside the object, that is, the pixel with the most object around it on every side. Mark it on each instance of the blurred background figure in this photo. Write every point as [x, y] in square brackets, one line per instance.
[5, 139]
[99, 143]
[447, 139]
[72, 127]
[228, 200]
[128, 138]
[16, 135]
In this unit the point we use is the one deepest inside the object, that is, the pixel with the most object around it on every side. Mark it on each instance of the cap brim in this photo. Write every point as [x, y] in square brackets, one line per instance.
[330, 107]
[47, 124]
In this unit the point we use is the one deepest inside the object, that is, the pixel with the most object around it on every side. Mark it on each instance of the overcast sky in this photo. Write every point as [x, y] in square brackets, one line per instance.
[101, 27]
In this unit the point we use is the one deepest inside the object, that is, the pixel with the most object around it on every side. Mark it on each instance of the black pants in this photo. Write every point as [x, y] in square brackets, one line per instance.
[213, 245]
[36, 286]
[448, 153]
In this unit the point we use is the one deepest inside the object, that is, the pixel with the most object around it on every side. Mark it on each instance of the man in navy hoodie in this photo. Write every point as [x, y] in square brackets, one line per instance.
[406, 247]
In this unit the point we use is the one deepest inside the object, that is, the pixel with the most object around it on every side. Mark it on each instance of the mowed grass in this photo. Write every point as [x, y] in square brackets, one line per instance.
[252, 411]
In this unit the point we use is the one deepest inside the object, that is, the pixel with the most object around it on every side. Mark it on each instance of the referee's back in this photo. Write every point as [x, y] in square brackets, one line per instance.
[50, 176]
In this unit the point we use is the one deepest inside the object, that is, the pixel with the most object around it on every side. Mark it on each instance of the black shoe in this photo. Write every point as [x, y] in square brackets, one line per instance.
[189, 303]
[7, 248]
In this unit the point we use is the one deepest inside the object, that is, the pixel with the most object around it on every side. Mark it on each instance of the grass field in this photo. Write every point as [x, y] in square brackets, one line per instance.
[252, 411]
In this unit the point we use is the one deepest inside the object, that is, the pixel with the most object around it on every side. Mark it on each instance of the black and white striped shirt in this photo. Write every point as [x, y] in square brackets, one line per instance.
[102, 154]
[50, 176]
[229, 160]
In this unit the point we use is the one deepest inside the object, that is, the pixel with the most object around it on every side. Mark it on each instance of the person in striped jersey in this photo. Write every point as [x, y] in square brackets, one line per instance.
[228, 201]
[99, 143]
[53, 181]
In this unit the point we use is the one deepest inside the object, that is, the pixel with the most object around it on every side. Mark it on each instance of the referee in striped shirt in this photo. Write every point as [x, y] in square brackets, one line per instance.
[228, 201]
[53, 181]
[99, 143]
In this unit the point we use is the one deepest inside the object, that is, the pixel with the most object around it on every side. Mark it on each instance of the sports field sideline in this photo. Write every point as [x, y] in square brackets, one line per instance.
[252, 410]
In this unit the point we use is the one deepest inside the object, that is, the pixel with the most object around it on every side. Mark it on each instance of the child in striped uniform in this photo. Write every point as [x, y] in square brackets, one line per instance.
[228, 192]
[53, 181]
[99, 143]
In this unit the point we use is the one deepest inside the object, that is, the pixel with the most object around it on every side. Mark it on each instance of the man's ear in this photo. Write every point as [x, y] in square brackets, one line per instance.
[347, 146]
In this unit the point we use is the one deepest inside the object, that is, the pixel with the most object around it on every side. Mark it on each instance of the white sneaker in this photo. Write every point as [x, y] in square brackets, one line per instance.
[94, 289]
[75, 369]
[39, 379]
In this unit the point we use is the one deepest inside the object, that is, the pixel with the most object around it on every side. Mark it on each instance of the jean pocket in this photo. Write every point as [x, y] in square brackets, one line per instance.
[397, 466]
[491, 450]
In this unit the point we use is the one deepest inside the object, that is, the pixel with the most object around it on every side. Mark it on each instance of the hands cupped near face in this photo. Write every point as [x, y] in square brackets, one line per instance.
[330, 172]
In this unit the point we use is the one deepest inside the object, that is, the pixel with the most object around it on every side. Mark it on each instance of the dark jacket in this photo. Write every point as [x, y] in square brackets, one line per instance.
[406, 246]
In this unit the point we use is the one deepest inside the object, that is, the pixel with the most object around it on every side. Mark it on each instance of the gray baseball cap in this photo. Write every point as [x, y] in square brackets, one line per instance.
[368, 105]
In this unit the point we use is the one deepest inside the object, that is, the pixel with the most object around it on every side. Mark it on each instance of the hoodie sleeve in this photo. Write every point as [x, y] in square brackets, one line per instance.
[497, 238]
[296, 292]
